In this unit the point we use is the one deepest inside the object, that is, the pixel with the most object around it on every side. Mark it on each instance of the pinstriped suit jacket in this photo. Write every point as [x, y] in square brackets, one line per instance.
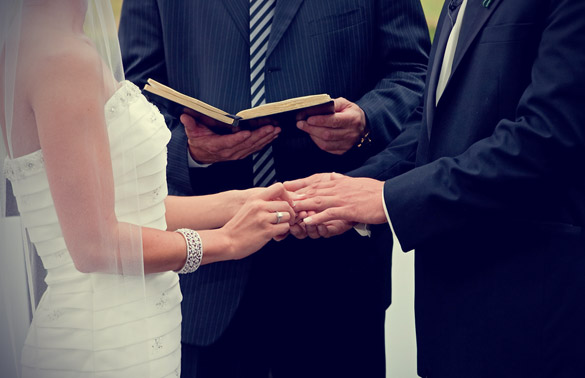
[373, 53]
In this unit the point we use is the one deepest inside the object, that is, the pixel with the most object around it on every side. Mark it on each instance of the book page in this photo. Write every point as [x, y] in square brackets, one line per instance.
[284, 106]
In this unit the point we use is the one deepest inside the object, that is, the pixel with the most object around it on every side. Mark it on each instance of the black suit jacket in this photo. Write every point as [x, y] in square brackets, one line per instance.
[495, 207]
[371, 52]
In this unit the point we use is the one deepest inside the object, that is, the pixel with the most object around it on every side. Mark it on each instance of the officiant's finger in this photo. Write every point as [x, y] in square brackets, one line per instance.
[257, 141]
[326, 131]
[194, 129]
[336, 146]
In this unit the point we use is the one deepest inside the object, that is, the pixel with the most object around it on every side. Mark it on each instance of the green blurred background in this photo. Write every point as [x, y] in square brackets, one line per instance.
[431, 8]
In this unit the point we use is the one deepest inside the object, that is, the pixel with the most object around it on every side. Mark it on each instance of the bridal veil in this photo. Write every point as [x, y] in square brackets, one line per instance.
[120, 279]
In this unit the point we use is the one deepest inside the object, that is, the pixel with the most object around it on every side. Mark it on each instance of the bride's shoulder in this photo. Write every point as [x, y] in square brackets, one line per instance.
[73, 57]
[71, 66]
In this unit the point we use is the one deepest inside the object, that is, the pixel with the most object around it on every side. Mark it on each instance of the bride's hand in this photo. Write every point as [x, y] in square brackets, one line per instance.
[258, 220]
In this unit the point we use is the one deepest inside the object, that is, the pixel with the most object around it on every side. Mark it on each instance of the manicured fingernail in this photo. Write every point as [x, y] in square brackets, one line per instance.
[308, 220]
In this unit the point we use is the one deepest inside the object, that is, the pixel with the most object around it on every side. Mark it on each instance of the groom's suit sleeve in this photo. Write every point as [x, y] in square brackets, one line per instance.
[514, 172]
[143, 53]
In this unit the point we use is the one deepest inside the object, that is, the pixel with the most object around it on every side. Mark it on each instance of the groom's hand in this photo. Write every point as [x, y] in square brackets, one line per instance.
[207, 147]
[335, 197]
[300, 230]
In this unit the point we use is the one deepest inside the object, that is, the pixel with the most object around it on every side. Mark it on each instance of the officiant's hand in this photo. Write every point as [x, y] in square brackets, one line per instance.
[207, 147]
[336, 133]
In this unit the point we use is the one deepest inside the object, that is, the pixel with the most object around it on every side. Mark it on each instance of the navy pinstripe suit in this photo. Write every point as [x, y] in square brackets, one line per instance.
[373, 53]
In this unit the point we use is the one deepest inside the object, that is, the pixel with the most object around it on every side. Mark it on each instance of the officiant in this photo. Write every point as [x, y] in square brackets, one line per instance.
[302, 307]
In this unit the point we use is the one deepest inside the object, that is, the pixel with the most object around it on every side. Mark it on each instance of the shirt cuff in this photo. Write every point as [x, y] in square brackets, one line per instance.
[363, 229]
[193, 163]
[390, 222]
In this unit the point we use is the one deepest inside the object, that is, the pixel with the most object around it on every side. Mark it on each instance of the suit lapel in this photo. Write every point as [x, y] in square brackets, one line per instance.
[239, 10]
[476, 15]
[434, 68]
[284, 13]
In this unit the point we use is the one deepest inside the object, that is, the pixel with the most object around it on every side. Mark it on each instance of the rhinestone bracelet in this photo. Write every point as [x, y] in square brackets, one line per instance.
[194, 250]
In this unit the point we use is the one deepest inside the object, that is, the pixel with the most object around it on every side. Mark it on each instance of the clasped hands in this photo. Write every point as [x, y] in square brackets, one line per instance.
[328, 204]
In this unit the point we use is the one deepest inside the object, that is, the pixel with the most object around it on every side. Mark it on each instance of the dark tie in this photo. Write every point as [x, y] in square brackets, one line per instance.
[261, 13]
[454, 6]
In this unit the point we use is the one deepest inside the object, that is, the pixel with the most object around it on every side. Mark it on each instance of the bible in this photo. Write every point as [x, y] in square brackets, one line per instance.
[221, 122]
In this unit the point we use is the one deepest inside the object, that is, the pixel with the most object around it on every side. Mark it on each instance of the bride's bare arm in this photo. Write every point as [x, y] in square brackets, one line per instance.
[251, 226]
[205, 212]
[67, 100]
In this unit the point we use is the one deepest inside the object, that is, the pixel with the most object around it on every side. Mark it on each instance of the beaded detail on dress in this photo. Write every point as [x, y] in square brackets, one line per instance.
[126, 95]
[24, 166]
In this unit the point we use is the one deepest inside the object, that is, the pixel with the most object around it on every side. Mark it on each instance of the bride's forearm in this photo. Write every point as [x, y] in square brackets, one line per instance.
[164, 250]
[203, 212]
[248, 230]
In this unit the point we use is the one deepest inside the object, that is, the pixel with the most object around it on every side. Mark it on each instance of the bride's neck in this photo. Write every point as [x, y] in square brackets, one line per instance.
[59, 13]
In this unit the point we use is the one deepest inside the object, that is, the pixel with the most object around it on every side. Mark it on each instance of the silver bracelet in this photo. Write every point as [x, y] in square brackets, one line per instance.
[194, 250]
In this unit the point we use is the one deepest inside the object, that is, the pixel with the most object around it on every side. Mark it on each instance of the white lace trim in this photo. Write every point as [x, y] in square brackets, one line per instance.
[24, 166]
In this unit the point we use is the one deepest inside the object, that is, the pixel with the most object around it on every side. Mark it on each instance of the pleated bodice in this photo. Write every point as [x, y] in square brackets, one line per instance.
[83, 325]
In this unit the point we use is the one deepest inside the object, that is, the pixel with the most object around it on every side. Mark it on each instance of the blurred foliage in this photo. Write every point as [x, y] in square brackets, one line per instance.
[117, 6]
[432, 9]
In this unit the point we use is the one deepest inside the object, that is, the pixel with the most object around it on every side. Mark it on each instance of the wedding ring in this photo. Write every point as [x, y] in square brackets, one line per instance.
[278, 217]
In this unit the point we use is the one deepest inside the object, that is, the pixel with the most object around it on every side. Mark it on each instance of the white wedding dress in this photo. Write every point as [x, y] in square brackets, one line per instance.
[139, 338]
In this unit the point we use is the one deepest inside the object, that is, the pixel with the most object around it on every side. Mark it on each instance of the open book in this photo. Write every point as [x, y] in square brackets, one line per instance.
[221, 122]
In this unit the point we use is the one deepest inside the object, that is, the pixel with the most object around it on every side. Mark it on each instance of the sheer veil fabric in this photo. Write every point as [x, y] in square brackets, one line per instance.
[106, 254]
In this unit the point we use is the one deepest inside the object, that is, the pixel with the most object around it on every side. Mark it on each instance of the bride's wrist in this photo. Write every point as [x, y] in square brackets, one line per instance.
[218, 245]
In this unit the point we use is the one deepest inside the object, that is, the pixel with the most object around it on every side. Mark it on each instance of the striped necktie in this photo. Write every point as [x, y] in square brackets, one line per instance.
[261, 13]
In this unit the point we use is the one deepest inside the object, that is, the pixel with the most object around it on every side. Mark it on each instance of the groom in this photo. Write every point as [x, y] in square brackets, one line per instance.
[495, 206]
[301, 308]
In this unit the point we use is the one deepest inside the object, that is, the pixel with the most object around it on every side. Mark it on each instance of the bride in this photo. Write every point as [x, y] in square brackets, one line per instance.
[86, 160]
